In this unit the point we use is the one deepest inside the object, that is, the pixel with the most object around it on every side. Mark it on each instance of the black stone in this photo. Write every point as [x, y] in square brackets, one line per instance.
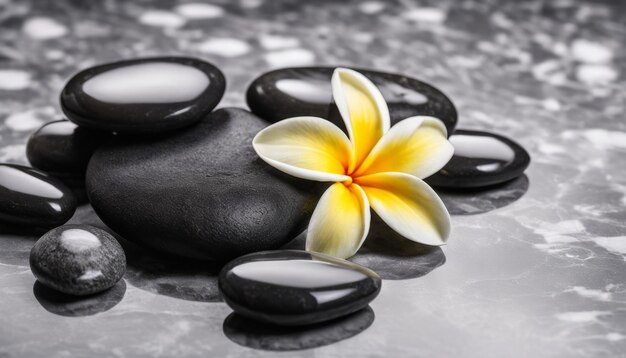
[146, 108]
[78, 260]
[30, 197]
[481, 159]
[62, 149]
[306, 91]
[296, 287]
[201, 193]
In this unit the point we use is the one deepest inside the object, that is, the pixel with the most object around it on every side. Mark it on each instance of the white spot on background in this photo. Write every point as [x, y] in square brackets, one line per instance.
[429, 15]
[24, 121]
[371, 7]
[292, 57]
[591, 293]
[603, 138]
[225, 47]
[199, 11]
[251, 4]
[615, 244]
[271, 42]
[43, 28]
[551, 104]
[593, 74]
[582, 316]
[591, 52]
[12, 153]
[14, 80]
[162, 18]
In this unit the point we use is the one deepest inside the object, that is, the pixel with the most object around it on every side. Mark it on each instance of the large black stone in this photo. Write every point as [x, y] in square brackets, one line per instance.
[481, 159]
[291, 287]
[150, 95]
[30, 197]
[78, 260]
[201, 193]
[62, 149]
[306, 91]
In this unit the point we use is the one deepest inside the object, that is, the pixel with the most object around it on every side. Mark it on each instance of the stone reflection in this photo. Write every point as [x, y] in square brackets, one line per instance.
[482, 200]
[395, 258]
[75, 306]
[253, 334]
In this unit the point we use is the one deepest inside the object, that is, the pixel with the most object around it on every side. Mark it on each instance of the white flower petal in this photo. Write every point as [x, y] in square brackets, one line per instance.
[340, 221]
[418, 146]
[305, 147]
[362, 108]
[408, 205]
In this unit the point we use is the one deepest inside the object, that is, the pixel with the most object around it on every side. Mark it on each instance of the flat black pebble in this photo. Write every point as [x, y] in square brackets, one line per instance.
[306, 91]
[296, 287]
[143, 96]
[481, 159]
[201, 192]
[30, 197]
[78, 260]
[62, 149]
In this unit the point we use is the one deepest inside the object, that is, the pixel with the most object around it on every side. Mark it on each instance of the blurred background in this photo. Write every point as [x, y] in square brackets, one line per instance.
[543, 277]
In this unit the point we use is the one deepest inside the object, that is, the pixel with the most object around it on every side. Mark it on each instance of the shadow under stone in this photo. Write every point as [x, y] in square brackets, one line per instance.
[63, 304]
[481, 200]
[160, 273]
[187, 280]
[390, 255]
[264, 336]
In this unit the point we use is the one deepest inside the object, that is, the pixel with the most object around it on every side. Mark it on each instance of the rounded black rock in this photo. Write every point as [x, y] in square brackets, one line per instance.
[306, 91]
[481, 159]
[201, 192]
[292, 287]
[30, 197]
[62, 149]
[78, 260]
[143, 96]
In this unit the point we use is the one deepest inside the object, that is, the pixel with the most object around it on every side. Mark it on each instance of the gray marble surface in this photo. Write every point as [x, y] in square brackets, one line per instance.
[536, 268]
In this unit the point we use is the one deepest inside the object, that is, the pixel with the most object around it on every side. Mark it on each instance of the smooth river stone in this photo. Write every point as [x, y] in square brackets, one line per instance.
[62, 149]
[481, 159]
[78, 260]
[30, 197]
[291, 287]
[201, 193]
[306, 91]
[143, 96]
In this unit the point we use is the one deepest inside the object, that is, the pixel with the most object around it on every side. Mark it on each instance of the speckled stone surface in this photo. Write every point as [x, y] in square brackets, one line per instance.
[77, 260]
[542, 276]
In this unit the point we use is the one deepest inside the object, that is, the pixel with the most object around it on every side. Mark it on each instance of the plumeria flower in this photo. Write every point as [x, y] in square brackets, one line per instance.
[377, 167]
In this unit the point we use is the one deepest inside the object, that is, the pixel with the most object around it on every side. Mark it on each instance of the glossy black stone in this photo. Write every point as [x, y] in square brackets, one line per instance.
[62, 149]
[30, 197]
[296, 287]
[481, 159]
[143, 96]
[292, 92]
[201, 193]
[78, 260]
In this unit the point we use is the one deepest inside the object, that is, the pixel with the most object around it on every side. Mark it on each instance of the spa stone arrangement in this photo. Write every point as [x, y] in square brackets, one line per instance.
[162, 169]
